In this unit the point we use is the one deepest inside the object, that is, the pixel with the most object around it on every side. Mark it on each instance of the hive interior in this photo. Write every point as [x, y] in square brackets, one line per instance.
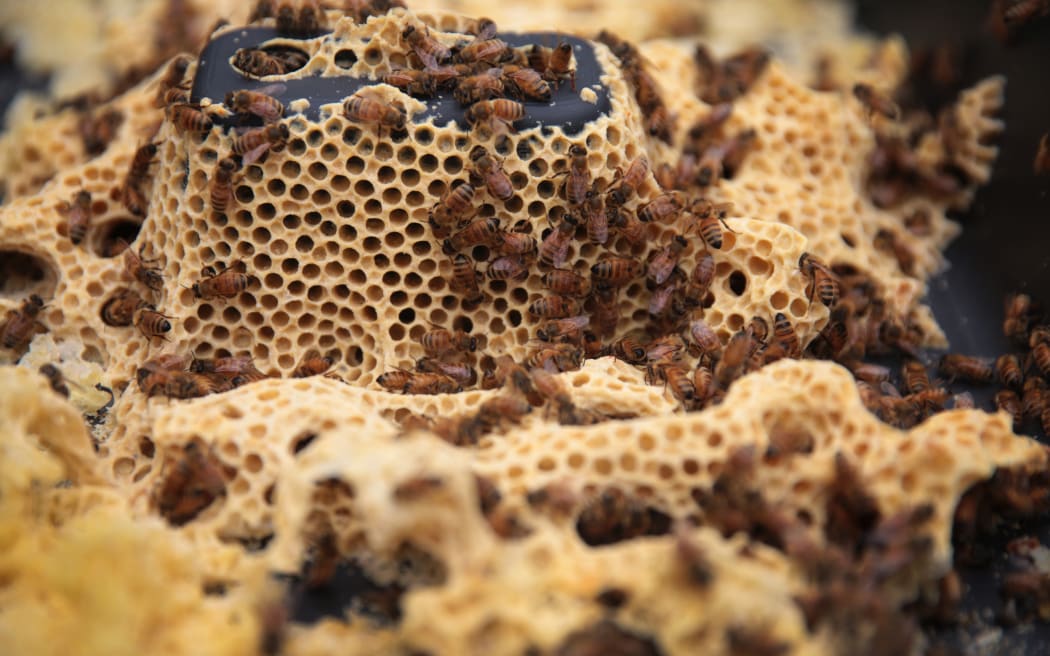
[333, 230]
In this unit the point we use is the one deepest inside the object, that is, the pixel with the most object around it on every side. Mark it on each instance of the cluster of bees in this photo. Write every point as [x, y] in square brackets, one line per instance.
[1025, 393]
[581, 311]
[479, 72]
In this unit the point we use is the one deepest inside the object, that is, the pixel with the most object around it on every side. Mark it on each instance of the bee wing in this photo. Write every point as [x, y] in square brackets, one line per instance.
[274, 89]
[254, 154]
[265, 111]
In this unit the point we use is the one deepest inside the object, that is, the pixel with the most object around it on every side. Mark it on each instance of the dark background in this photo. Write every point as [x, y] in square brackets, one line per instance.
[1005, 246]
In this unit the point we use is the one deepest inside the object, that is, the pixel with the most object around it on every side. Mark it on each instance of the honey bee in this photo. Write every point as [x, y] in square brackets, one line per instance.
[20, 324]
[875, 102]
[487, 51]
[173, 78]
[577, 184]
[559, 65]
[482, 231]
[734, 356]
[455, 206]
[741, 71]
[759, 328]
[162, 377]
[480, 86]
[569, 330]
[627, 225]
[630, 180]
[1008, 368]
[515, 243]
[414, 82]
[361, 10]
[734, 151]
[681, 175]
[1039, 342]
[606, 313]
[665, 208]
[710, 219]
[555, 358]
[658, 121]
[705, 128]
[525, 83]
[465, 278]
[133, 197]
[508, 267]
[610, 517]
[1019, 310]
[221, 190]
[408, 382]
[616, 270]
[120, 309]
[137, 268]
[224, 283]
[309, 21]
[784, 334]
[554, 249]
[566, 282]
[965, 367]
[664, 350]
[438, 342]
[257, 103]
[500, 411]
[498, 114]
[629, 350]
[257, 62]
[596, 218]
[914, 376]
[1041, 164]
[505, 371]
[188, 117]
[677, 378]
[255, 143]
[97, 130]
[429, 50]
[461, 373]
[192, 483]
[887, 242]
[362, 108]
[664, 299]
[702, 378]
[1008, 401]
[822, 281]
[313, 364]
[78, 218]
[665, 260]
[705, 338]
[175, 96]
[490, 170]
[703, 275]
[555, 307]
[152, 323]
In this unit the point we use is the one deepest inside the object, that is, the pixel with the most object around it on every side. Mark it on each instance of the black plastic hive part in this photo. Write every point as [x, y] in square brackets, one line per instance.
[216, 76]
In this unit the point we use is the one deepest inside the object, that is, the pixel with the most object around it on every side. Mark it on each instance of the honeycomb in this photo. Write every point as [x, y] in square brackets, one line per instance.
[333, 232]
